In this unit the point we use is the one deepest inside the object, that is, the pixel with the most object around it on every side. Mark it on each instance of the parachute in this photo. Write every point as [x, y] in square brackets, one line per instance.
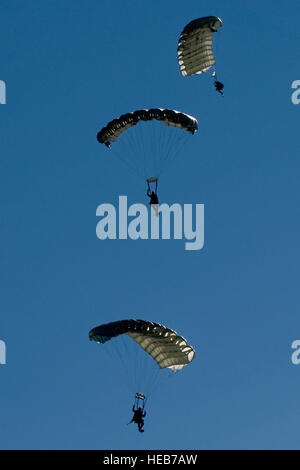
[171, 117]
[164, 345]
[195, 53]
[148, 145]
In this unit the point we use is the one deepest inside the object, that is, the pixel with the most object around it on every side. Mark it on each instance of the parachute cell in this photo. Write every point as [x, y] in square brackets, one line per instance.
[164, 345]
[195, 53]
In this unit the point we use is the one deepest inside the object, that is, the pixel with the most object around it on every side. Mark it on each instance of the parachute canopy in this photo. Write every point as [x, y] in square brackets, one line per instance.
[170, 117]
[165, 346]
[195, 54]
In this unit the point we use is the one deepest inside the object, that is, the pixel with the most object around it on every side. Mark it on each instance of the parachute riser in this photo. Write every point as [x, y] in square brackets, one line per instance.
[153, 180]
[140, 401]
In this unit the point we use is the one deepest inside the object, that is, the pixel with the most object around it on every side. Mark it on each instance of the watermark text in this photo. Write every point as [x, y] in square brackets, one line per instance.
[296, 354]
[164, 222]
[2, 92]
[295, 97]
[2, 352]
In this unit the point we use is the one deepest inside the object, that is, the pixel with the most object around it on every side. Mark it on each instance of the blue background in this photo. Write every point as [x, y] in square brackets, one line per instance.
[69, 68]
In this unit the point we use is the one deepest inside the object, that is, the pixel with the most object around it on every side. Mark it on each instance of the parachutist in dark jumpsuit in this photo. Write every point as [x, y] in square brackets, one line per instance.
[153, 197]
[138, 416]
[219, 87]
[153, 194]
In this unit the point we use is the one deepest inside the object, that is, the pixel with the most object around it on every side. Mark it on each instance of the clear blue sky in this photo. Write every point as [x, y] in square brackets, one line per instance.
[69, 68]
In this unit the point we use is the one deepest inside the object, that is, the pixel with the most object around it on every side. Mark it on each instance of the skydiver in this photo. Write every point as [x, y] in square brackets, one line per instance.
[138, 416]
[152, 194]
[219, 86]
[153, 197]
